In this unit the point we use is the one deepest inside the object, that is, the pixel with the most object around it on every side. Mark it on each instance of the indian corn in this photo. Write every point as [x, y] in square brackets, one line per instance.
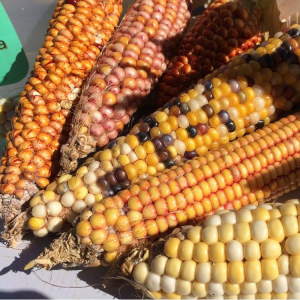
[223, 31]
[253, 253]
[249, 174]
[125, 74]
[181, 130]
[78, 31]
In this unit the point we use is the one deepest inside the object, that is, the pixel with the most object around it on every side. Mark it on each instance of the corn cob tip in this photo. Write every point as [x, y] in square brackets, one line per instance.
[15, 230]
[65, 251]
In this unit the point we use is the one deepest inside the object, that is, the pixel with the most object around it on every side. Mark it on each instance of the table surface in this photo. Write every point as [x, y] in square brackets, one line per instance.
[30, 18]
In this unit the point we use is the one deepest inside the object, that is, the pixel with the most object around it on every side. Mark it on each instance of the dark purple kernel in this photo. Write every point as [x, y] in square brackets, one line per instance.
[167, 140]
[224, 116]
[163, 155]
[208, 95]
[190, 154]
[143, 137]
[192, 130]
[117, 188]
[111, 179]
[102, 183]
[158, 144]
[144, 127]
[208, 110]
[230, 126]
[125, 184]
[169, 163]
[260, 124]
[120, 174]
[108, 193]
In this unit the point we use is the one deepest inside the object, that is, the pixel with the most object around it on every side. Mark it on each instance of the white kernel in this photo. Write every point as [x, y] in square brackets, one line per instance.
[153, 282]
[89, 200]
[140, 272]
[125, 148]
[215, 289]
[229, 217]
[67, 199]
[265, 286]
[280, 284]
[54, 208]
[89, 178]
[203, 272]
[213, 220]
[39, 211]
[294, 284]
[168, 284]
[41, 232]
[234, 251]
[93, 166]
[55, 224]
[259, 231]
[249, 288]
[79, 206]
[158, 264]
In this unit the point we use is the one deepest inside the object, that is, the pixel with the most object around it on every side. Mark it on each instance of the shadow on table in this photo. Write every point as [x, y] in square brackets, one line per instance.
[21, 295]
[28, 253]
[117, 288]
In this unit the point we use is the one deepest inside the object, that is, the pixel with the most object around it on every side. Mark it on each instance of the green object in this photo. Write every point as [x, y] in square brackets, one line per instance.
[14, 64]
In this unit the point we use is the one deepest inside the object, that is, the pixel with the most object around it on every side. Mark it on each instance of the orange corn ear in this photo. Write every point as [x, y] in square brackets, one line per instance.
[74, 40]
[126, 73]
[248, 174]
[224, 30]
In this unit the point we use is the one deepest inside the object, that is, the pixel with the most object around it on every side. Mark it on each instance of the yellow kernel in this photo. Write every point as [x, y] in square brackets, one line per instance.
[84, 228]
[35, 223]
[171, 247]
[186, 249]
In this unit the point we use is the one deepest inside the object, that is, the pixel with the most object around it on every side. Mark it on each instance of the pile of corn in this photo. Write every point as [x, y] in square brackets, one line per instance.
[127, 71]
[77, 33]
[250, 254]
[190, 126]
[225, 29]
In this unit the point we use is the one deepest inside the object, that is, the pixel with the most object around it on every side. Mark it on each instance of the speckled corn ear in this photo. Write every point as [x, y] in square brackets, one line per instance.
[253, 253]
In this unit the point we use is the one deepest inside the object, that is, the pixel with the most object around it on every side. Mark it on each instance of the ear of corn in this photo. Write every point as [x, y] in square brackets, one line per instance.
[253, 173]
[125, 74]
[224, 30]
[150, 148]
[250, 254]
[77, 33]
